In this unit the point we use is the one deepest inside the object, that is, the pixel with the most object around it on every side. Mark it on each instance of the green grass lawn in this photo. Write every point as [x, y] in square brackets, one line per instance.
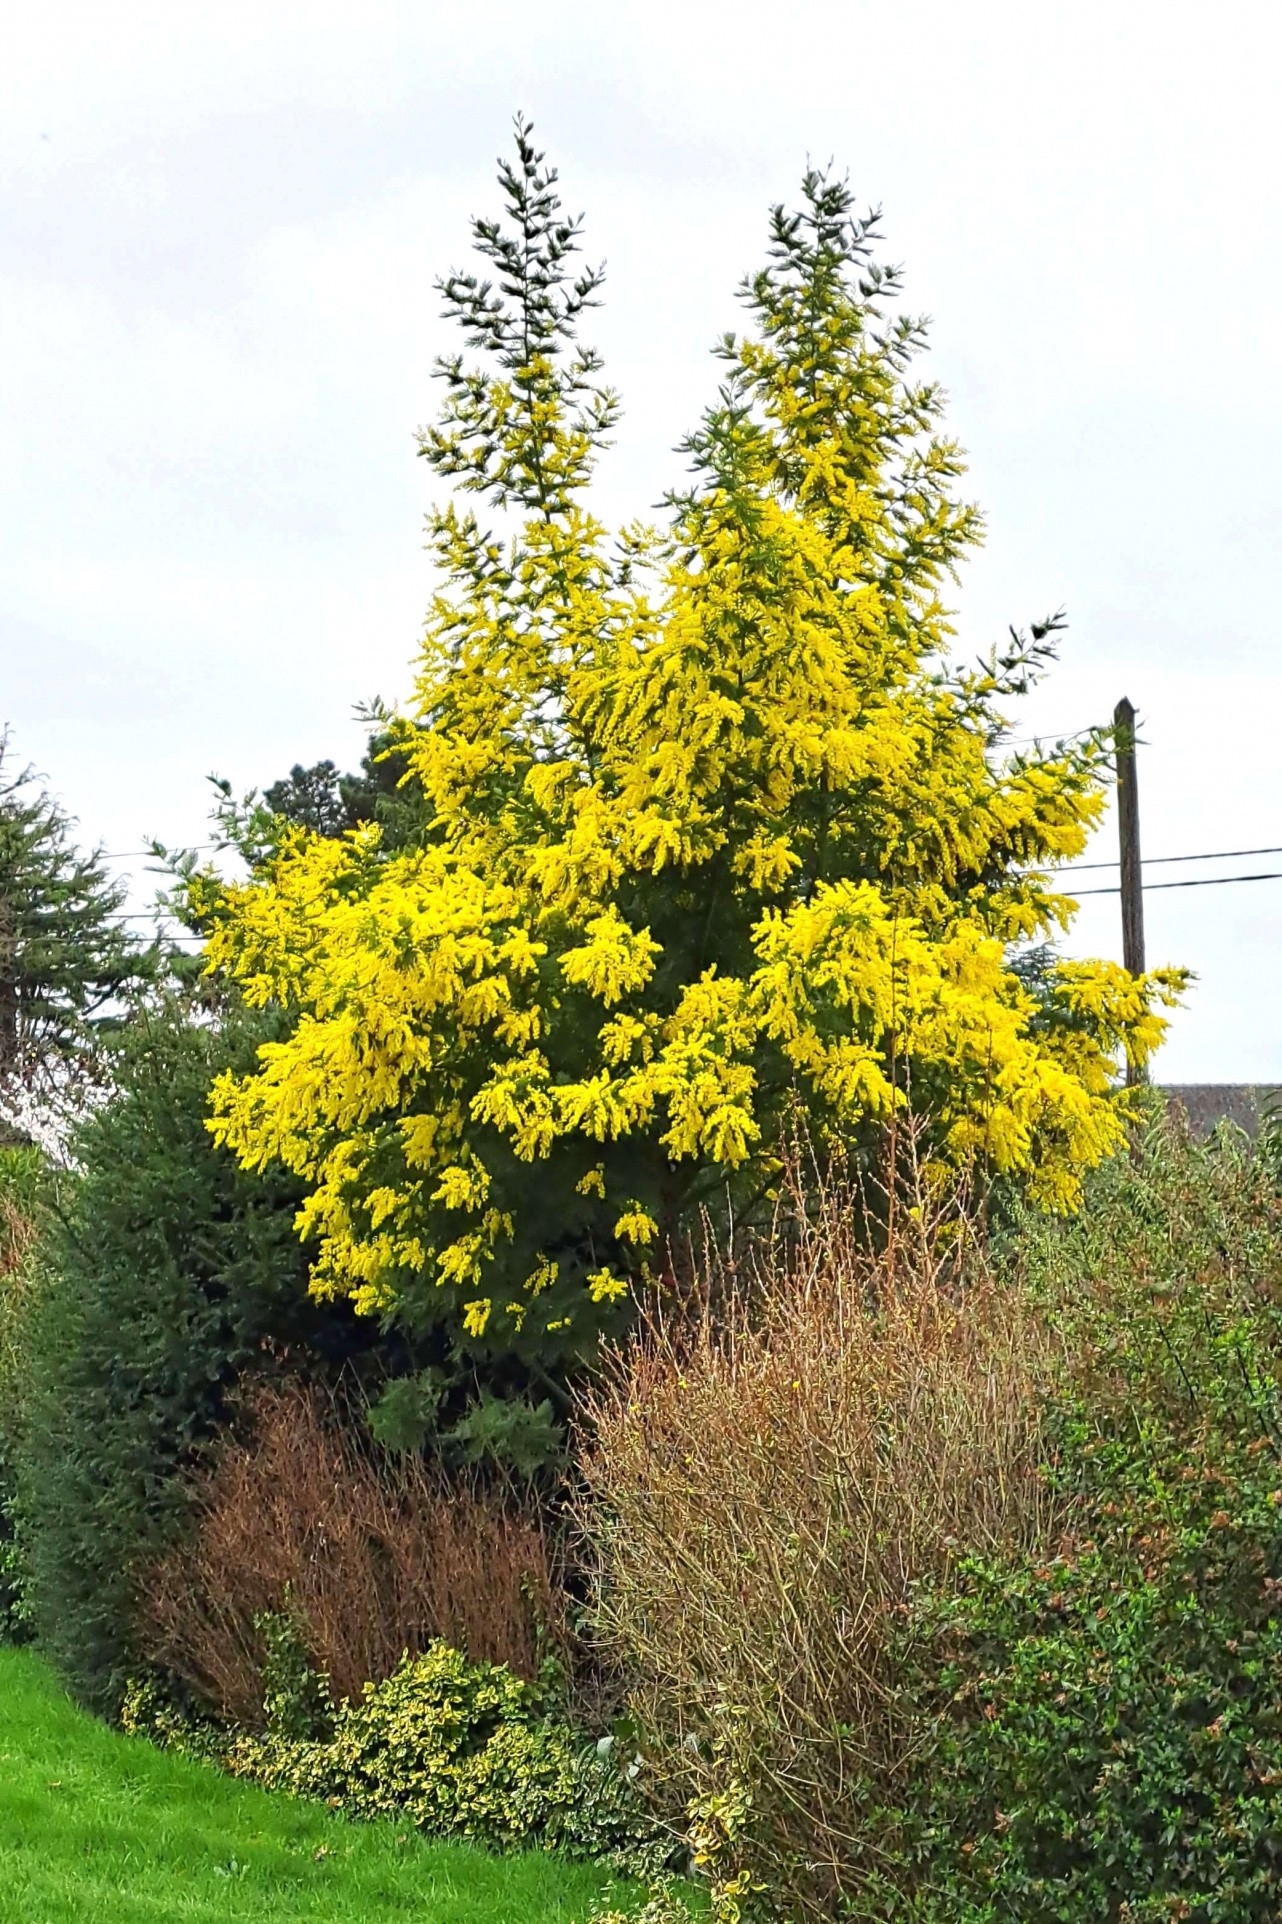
[96, 1828]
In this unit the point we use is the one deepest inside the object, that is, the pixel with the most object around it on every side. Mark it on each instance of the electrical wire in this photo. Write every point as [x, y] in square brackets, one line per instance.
[1051, 735]
[1155, 861]
[1081, 868]
[1194, 882]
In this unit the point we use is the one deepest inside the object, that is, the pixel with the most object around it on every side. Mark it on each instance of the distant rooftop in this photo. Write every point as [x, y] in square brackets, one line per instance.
[1208, 1103]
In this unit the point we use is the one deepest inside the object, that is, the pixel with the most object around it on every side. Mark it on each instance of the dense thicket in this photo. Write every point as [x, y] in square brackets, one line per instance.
[1109, 1735]
[948, 1604]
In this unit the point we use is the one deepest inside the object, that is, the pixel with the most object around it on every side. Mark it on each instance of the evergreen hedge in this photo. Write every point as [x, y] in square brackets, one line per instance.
[166, 1271]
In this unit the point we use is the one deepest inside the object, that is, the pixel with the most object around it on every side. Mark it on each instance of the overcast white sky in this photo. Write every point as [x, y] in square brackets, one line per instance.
[220, 225]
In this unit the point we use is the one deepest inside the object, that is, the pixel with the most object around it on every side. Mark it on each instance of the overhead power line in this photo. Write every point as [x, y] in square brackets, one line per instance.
[1154, 861]
[1053, 735]
[1193, 882]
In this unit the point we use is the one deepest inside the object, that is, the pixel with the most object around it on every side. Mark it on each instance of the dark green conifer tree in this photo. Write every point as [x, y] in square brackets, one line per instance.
[67, 959]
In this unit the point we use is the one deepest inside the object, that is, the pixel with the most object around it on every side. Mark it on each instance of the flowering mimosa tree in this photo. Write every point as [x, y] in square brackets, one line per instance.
[714, 825]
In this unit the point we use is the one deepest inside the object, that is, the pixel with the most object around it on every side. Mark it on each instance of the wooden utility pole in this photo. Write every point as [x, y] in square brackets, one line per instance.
[1128, 829]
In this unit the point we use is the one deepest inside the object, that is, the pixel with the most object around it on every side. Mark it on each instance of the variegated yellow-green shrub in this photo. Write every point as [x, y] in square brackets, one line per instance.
[713, 824]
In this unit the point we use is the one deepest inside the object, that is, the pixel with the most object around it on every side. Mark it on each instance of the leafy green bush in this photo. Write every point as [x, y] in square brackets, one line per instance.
[296, 1696]
[1108, 1720]
[168, 1269]
[1115, 1746]
[457, 1749]
[663, 1905]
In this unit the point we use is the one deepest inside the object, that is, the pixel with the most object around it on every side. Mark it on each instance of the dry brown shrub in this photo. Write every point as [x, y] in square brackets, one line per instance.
[766, 1476]
[17, 1236]
[372, 1554]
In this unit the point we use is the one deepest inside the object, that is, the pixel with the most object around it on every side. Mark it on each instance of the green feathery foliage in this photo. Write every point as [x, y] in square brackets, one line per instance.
[66, 957]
